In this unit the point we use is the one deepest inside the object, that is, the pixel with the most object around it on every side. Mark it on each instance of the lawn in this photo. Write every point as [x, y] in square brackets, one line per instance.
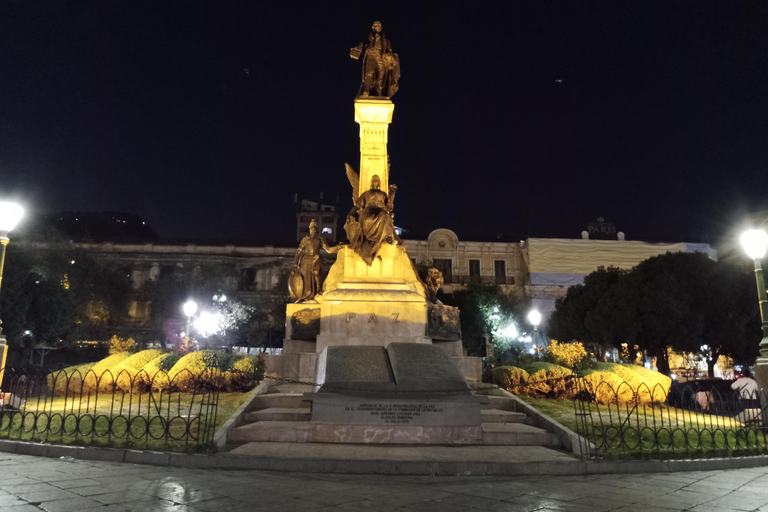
[138, 421]
[654, 430]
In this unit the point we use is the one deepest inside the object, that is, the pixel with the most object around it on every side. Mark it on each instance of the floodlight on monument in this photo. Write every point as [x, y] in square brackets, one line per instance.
[534, 317]
[755, 243]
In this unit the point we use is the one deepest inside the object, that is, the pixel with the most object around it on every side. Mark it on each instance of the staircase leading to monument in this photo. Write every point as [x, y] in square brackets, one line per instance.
[285, 418]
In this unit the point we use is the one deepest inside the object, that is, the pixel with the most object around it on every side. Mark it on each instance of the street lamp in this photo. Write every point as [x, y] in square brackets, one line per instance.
[10, 215]
[535, 318]
[755, 243]
[190, 307]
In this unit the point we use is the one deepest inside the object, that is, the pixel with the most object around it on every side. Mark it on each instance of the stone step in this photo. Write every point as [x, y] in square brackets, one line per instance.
[499, 402]
[271, 431]
[500, 416]
[280, 414]
[517, 434]
[279, 400]
[292, 388]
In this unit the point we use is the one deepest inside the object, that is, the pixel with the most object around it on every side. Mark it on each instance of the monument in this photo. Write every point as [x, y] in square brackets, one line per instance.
[385, 353]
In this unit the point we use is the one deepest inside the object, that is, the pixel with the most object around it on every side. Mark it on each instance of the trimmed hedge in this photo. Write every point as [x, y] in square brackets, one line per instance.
[92, 379]
[72, 374]
[511, 378]
[188, 369]
[627, 383]
[128, 371]
[157, 370]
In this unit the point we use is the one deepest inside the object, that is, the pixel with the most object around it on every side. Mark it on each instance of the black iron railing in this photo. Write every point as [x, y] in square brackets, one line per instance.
[128, 409]
[645, 421]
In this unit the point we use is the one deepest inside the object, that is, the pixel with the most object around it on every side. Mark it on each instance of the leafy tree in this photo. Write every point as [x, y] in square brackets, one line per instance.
[54, 290]
[682, 301]
[485, 310]
[585, 313]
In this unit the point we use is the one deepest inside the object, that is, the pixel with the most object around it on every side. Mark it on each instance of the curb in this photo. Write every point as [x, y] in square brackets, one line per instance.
[378, 467]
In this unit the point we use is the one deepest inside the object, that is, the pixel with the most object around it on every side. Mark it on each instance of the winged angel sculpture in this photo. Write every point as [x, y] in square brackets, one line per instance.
[370, 223]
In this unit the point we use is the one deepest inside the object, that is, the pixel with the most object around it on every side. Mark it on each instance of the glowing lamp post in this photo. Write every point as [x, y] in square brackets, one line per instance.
[755, 243]
[535, 318]
[10, 215]
[190, 308]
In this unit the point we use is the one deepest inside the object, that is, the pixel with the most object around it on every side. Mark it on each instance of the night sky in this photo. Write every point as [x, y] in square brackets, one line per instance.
[529, 119]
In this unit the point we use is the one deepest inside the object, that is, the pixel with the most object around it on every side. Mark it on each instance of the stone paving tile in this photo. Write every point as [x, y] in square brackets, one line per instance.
[21, 508]
[69, 504]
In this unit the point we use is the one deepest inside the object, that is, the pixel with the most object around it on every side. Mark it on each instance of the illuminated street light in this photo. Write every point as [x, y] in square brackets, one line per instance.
[755, 243]
[10, 215]
[190, 307]
[535, 318]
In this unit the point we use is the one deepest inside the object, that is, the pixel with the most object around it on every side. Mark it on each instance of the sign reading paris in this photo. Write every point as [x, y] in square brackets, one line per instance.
[602, 230]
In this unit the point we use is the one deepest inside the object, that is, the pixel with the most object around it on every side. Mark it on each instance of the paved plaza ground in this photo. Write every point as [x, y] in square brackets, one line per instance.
[30, 484]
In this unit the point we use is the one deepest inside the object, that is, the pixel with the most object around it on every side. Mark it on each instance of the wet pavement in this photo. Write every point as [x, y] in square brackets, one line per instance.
[30, 483]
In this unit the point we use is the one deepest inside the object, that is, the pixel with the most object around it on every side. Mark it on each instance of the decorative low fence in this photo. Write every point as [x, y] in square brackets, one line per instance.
[127, 409]
[686, 421]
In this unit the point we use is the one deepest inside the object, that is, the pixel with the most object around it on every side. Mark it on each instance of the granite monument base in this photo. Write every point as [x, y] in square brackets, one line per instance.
[408, 393]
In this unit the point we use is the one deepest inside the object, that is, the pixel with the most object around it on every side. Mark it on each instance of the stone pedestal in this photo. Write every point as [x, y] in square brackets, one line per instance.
[407, 394]
[373, 305]
[374, 116]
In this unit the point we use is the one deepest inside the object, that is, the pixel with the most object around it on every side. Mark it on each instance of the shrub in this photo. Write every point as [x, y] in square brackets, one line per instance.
[511, 378]
[607, 387]
[549, 378]
[72, 375]
[187, 370]
[127, 372]
[118, 345]
[243, 373]
[567, 354]
[157, 370]
[105, 365]
[630, 383]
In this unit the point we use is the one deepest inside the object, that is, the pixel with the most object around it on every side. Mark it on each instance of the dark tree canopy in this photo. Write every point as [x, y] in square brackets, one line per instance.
[682, 301]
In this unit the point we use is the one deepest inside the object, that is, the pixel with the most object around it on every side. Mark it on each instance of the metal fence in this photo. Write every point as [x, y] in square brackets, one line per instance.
[686, 421]
[127, 409]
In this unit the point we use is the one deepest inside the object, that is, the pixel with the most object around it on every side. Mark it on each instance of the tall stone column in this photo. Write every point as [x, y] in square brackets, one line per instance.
[374, 117]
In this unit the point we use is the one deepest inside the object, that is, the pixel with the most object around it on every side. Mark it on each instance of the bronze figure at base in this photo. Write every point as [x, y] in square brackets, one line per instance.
[304, 282]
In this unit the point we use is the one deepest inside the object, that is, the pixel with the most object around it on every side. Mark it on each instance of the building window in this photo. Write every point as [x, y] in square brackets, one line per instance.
[327, 230]
[304, 229]
[446, 267]
[327, 220]
[500, 271]
[474, 268]
[247, 280]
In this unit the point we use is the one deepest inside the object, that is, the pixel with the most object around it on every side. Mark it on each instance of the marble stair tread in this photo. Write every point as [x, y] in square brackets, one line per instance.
[499, 402]
[423, 453]
[271, 431]
[502, 416]
[280, 414]
[279, 400]
[517, 434]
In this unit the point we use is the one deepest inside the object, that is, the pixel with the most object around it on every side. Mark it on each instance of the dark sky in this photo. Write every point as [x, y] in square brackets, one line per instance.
[525, 118]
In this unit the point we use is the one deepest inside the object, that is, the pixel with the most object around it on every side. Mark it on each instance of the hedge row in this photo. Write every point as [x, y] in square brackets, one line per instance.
[134, 372]
[606, 384]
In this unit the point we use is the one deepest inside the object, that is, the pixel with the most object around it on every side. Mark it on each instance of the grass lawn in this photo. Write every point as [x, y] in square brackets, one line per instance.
[654, 431]
[130, 420]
